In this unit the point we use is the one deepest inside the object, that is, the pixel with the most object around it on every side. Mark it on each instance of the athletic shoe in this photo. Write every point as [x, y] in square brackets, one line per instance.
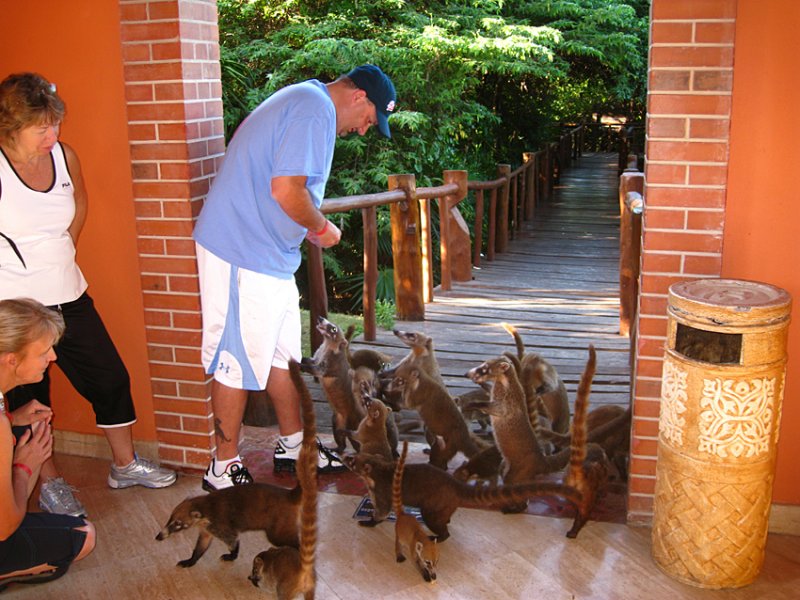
[234, 474]
[56, 497]
[140, 472]
[285, 459]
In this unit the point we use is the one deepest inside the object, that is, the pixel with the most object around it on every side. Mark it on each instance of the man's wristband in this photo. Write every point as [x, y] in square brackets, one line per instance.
[324, 228]
[24, 467]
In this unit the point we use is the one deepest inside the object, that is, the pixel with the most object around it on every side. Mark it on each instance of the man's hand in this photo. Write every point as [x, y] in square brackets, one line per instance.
[329, 236]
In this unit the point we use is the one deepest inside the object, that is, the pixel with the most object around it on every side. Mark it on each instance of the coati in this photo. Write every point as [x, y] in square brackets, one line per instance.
[588, 465]
[523, 458]
[226, 513]
[365, 357]
[438, 494]
[409, 538]
[364, 386]
[538, 376]
[608, 426]
[329, 364]
[420, 354]
[286, 569]
[439, 413]
[484, 466]
[371, 433]
[463, 402]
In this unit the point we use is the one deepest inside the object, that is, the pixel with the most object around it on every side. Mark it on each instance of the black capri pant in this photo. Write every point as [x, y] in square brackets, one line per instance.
[42, 538]
[87, 356]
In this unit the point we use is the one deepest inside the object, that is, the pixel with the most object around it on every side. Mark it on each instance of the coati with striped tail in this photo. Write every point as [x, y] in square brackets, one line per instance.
[365, 390]
[588, 464]
[330, 365]
[409, 538]
[523, 458]
[438, 411]
[609, 427]
[438, 494]
[538, 376]
[286, 569]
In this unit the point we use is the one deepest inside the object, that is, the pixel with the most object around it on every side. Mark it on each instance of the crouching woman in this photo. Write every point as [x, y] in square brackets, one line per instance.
[34, 547]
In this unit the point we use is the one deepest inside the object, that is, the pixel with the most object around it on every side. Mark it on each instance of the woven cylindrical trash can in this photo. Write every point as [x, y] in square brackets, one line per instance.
[721, 395]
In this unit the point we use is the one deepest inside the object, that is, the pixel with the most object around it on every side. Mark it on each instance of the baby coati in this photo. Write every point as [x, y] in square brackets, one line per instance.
[330, 365]
[609, 427]
[226, 513]
[588, 465]
[286, 569]
[538, 376]
[438, 494]
[439, 413]
[409, 538]
[523, 458]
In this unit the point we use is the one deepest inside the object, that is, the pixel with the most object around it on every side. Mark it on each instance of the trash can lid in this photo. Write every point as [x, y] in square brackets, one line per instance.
[731, 301]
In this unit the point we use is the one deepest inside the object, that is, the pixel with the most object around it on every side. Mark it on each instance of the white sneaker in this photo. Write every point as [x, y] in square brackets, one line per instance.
[235, 474]
[285, 459]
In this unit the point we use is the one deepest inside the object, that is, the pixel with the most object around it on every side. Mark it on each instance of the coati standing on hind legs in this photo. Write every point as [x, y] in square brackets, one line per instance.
[288, 570]
[409, 538]
[330, 365]
[539, 377]
[438, 411]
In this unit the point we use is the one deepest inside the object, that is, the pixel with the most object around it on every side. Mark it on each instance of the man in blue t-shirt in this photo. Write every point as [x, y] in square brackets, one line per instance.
[263, 203]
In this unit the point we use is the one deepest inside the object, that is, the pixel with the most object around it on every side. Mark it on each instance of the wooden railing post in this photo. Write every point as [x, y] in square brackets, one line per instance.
[318, 294]
[513, 224]
[369, 220]
[455, 248]
[491, 243]
[478, 245]
[406, 235]
[502, 210]
[529, 158]
[631, 186]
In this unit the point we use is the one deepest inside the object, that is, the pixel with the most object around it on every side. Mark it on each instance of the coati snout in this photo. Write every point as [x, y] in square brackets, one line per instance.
[176, 523]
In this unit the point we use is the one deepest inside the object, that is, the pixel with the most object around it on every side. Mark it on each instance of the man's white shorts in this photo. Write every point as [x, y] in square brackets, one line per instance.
[251, 322]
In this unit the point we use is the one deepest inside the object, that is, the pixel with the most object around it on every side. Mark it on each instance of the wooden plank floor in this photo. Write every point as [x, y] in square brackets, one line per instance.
[558, 284]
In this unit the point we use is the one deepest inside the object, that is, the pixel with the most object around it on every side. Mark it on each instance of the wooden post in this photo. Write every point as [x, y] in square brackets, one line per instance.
[513, 216]
[369, 220]
[318, 294]
[456, 250]
[529, 158]
[426, 245]
[630, 236]
[476, 249]
[502, 209]
[408, 279]
[491, 243]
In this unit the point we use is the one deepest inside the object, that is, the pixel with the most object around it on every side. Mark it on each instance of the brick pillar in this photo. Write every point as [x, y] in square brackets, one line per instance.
[688, 124]
[172, 81]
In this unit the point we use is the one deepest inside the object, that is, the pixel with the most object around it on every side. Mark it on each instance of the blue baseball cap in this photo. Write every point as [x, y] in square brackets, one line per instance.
[380, 91]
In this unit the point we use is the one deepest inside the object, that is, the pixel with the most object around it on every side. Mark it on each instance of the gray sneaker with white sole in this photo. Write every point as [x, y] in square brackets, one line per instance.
[140, 472]
[56, 496]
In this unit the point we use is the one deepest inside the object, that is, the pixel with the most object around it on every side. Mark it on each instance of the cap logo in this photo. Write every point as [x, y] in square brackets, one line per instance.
[390, 106]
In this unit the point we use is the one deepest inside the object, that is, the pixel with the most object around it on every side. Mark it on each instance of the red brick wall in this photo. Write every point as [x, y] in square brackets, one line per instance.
[173, 93]
[688, 124]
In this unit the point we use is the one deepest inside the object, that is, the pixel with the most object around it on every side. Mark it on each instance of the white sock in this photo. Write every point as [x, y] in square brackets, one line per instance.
[222, 465]
[292, 440]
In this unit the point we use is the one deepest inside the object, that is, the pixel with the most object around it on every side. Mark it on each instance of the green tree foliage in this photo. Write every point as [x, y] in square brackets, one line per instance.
[478, 81]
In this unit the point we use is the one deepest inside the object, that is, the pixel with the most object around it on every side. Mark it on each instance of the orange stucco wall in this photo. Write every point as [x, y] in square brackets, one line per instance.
[76, 44]
[762, 225]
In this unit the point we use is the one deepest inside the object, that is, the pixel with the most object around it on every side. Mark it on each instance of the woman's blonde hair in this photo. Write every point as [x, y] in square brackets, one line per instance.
[23, 321]
[28, 99]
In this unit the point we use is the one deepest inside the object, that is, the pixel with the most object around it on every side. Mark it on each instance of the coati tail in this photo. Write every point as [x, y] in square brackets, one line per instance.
[578, 431]
[397, 481]
[506, 494]
[517, 339]
[307, 477]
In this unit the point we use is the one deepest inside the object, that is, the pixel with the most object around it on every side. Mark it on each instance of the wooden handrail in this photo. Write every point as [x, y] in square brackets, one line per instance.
[513, 196]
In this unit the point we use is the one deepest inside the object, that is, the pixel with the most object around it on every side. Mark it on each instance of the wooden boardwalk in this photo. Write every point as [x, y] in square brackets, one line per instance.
[558, 284]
